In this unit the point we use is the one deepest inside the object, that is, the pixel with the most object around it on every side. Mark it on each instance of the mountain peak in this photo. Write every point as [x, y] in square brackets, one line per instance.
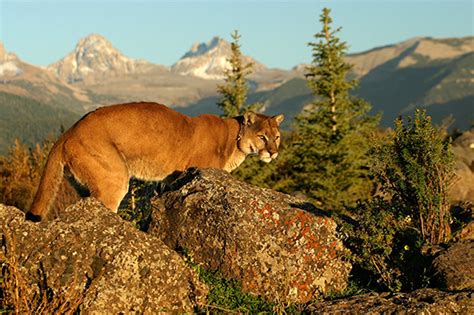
[6, 55]
[2, 52]
[94, 37]
[209, 60]
[94, 40]
[96, 45]
[95, 58]
[10, 65]
[198, 49]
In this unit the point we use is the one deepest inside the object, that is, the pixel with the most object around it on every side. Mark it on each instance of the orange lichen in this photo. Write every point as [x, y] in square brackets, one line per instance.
[251, 276]
[303, 286]
[267, 212]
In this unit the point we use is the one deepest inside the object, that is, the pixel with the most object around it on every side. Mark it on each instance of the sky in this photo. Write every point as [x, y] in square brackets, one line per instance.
[273, 32]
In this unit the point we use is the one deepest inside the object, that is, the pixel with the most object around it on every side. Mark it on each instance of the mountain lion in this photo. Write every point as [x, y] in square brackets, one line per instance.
[149, 141]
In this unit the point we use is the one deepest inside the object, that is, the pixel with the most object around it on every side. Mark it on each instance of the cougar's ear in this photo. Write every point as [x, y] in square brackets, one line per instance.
[279, 118]
[249, 118]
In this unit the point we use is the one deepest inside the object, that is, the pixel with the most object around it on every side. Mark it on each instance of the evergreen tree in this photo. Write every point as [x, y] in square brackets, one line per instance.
[234, 90]
[328, 160]
[234, 103]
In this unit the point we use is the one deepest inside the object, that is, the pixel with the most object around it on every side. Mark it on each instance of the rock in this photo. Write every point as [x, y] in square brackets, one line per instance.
[463, 187]
[275, 245]
[463, 215]
[422, 301]
[467, 232]
[92, 251]
[454, 267]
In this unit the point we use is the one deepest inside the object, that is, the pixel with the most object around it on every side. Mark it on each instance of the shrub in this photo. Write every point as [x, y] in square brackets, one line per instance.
[386, 249]
[20, 173]
[416, 169]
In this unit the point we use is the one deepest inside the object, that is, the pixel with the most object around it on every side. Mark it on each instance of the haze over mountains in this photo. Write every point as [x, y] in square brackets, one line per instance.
[422, 72]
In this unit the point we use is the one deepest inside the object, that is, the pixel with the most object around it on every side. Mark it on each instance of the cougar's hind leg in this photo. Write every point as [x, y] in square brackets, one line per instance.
[111, 189]
[106, 179]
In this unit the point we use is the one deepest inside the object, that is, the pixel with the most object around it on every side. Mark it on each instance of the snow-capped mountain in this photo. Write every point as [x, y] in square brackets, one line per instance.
[37, 84]
[209, 60]
[95, 58]
[9, 63]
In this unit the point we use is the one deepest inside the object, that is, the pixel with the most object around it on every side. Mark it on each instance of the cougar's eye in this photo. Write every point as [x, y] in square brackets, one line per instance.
[277, 137]
[262, 137]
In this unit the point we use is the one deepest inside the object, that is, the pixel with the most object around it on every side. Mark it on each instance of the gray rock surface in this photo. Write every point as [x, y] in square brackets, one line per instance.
[454, 267]
[92, 250]
[422, 301]
[275, 245]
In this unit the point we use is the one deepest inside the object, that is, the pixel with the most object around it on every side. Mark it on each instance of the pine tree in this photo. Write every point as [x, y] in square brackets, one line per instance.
[234, 103]
[328, 160]
[234, 90]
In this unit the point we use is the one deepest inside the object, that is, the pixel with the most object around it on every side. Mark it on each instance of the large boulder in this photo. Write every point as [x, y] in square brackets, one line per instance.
[422, 301]
[103, 261]
[454, 267]
[275, 245]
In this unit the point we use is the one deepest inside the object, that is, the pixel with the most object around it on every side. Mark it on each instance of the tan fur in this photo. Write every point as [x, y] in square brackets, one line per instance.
[149, 141]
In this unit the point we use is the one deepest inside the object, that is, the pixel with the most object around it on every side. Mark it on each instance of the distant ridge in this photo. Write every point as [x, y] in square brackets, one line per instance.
[435, 74]
[426, 48]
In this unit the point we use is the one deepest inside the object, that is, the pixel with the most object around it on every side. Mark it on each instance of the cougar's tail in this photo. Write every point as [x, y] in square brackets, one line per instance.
[49, 184]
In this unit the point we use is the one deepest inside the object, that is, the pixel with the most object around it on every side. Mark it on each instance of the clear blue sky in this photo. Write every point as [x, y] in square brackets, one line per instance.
[273, 32]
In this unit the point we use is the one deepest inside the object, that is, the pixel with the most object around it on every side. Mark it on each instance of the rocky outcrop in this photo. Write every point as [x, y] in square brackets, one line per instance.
[454, 267]
[113, 267]
[422, 301]
[276, 246]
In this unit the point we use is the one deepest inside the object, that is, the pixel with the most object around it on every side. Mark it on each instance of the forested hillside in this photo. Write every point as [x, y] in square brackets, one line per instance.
[29, 120]
[444, 87]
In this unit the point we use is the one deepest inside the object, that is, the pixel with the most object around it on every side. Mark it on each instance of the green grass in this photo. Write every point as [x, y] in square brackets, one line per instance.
[226, 296]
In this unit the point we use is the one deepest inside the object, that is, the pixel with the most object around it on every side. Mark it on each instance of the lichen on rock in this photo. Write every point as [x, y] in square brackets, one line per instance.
[277, 246]
[90, 250]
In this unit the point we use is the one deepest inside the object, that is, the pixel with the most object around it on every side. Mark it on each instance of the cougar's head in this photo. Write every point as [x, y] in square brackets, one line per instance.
[260, 135]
